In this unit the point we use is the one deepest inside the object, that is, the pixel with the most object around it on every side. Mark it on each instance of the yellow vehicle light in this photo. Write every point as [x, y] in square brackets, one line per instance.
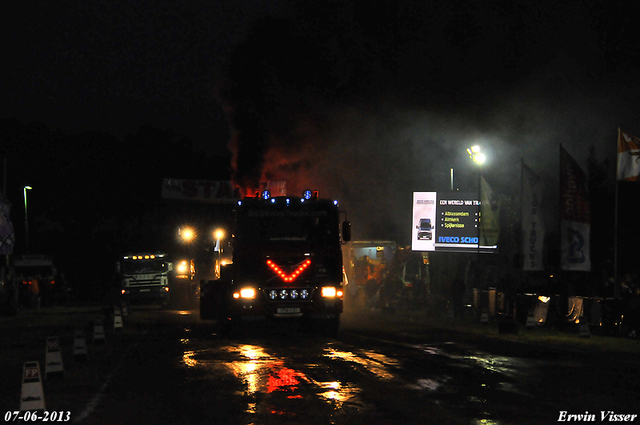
[166, 288]
[329, 292]
[182, 267]
[247, 293]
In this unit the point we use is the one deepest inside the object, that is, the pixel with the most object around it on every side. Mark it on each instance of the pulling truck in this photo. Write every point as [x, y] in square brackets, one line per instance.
[286, 266]
[145, 277]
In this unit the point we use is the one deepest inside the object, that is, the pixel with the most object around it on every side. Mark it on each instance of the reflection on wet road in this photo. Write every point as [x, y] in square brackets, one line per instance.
[351, 380]
[361, 378]
[179, 371]
[332, 379]
[376, 363]
[271, 377]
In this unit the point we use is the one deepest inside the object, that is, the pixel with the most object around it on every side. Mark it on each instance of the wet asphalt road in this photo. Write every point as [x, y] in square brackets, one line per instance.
[171, 368]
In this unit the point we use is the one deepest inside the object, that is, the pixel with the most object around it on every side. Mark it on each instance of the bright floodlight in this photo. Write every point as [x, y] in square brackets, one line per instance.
[219, 234]
[187, 234]
[475, 155]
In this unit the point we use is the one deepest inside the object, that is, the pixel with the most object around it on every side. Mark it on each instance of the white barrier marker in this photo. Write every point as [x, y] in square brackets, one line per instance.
[117, 319]
[79, 345]
[98, 330]
[484, 317]
[531, 322]
[125, 310]
[32, 396]
[53, 358]
[583, 328]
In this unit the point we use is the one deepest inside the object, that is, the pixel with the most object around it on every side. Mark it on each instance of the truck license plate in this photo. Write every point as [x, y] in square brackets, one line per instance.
[289, 310]
[145, 290]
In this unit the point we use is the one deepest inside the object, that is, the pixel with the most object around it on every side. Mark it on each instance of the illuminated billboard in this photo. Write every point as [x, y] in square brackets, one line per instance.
[446, 221]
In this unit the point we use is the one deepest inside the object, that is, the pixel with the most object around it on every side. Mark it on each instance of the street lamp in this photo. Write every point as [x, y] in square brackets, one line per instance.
[26, 220]
[218, 234]
[475, 154]
[478, 158]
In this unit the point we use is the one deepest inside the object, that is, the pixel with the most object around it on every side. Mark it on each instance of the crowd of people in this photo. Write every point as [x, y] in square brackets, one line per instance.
[400, 283]
[19, 292]
[403, 283]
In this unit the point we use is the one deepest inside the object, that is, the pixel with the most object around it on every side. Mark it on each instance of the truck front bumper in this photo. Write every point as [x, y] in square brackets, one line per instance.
[156, 293]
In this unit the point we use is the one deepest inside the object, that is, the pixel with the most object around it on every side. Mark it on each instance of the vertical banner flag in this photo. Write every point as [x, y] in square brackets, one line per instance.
[575, 216]
[532, 220]
[489, 215]
[628, 157]
[6, 228]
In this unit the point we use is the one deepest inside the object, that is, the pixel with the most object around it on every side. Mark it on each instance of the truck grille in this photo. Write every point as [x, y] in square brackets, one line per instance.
[153, 280]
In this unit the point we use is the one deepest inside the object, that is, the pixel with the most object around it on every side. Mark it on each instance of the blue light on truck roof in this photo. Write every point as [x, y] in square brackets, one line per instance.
[239, 202]
[273, 200]
[266, 194]
[307, 194]
[335, 202]
[288, 200]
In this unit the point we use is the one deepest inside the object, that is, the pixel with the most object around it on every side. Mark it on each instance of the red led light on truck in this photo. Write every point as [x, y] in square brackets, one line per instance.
[289, 277]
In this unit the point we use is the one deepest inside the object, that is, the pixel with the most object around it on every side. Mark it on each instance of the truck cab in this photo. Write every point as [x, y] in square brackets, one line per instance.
[144, 277]
[287, 264]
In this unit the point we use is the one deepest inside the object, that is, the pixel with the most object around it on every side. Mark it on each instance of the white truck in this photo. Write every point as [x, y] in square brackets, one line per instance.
[145, 277]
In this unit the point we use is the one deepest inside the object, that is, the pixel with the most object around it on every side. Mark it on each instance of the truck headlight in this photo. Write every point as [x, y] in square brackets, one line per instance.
[330, 292]
[245, 293]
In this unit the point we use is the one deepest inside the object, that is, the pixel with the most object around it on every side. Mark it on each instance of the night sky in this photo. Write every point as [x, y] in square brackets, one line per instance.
[367, 101]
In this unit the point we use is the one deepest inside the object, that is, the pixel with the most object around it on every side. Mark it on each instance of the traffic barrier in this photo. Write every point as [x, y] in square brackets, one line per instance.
[117, 319]
[79, 345]
[583, 328]
[531, 321]
[98, 330]
[484, 317]
[31, 396]
[53, 365]
[125, 310]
